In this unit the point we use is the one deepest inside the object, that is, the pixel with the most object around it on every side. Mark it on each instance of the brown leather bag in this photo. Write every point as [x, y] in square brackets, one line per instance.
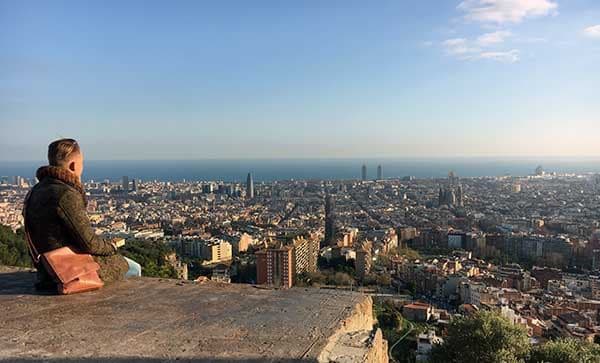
[73, 272]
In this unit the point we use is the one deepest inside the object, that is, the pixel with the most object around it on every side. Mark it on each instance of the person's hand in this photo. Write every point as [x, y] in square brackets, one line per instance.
[113, 243]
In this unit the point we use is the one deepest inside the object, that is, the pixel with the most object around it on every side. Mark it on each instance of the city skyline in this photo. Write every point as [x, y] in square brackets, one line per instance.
[338, 169]
[343, 180]
[504, 78]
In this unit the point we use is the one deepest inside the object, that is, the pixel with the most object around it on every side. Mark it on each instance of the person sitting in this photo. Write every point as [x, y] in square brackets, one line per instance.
[56, 216]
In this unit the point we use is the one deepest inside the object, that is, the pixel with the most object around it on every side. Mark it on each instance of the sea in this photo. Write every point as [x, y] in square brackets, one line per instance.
[230, 170]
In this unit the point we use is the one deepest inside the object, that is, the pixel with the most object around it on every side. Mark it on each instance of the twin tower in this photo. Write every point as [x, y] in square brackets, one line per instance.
[364, 172]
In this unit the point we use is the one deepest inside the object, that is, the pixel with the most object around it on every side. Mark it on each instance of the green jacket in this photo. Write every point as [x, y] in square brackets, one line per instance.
[56, 217]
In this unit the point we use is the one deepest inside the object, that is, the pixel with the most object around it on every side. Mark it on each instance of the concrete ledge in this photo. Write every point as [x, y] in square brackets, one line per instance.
[156, 320]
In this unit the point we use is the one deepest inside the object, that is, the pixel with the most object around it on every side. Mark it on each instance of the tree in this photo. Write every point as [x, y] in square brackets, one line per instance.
[13, 248]
[384, 260]
[151, 256]
[383, 280]
[388, 317]
[406, 252]
[246, 272]
[485, 337]
[374, 279]
[315, 278]
[566, 351]
[340, 279]
[338, 264]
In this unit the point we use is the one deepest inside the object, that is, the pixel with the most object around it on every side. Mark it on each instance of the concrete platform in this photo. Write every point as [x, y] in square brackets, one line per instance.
[160, 320]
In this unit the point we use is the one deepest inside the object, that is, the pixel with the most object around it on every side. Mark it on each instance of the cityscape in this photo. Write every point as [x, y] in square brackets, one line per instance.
[526, 247]
[300, 181]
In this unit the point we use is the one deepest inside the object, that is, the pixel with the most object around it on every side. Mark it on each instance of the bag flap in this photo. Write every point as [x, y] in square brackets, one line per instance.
[68, 265]
[83, 283]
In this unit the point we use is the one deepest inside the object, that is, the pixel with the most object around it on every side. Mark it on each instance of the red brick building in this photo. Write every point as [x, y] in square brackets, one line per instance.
[275, 267]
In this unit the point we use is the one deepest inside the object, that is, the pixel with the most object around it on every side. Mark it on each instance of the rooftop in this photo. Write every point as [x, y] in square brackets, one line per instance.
[159, 320]
[417, 306]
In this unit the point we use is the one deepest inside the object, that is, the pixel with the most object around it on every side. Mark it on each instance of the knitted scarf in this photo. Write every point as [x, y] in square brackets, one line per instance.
[63, 175]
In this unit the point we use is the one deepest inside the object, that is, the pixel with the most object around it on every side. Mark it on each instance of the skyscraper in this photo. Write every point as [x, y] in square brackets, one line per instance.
[125, 183]
[364, 172]
[249, 186]
[330, 220]
[379, 172]
[460, 196]
[451, 196]
[453, 179]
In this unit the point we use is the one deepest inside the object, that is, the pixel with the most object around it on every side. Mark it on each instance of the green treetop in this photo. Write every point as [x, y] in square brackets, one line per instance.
[485, 338]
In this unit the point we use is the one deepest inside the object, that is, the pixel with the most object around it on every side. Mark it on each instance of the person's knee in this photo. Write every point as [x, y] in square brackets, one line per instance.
[135, 269]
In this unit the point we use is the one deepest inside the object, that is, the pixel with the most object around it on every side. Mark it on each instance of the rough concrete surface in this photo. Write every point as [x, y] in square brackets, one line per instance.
[159, 320]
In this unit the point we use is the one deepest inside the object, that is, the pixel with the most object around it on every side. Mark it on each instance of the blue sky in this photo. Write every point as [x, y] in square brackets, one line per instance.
[304, 79]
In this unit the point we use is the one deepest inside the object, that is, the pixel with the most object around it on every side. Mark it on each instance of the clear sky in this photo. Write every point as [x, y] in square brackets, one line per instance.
[300, 79]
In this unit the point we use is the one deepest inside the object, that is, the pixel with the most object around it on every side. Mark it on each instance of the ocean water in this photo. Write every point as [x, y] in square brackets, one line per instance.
[302, 169]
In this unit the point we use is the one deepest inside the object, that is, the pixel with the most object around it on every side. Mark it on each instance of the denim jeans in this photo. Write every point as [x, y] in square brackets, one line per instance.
[135, 270]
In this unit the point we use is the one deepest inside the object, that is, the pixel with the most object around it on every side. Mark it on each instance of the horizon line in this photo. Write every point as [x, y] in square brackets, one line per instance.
[371, 158]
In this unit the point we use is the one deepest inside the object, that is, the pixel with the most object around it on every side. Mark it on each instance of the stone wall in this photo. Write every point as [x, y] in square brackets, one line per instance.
[356, 340]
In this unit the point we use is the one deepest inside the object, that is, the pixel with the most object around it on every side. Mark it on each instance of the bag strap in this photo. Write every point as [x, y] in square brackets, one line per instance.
[32, 250]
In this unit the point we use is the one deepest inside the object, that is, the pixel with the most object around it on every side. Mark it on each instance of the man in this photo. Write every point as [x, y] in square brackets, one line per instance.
[56, 216]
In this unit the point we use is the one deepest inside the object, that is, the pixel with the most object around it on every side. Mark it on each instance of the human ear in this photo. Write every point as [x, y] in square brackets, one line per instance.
[72, 166]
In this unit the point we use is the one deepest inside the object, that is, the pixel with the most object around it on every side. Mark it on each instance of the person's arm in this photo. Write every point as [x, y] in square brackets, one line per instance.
[74, 217]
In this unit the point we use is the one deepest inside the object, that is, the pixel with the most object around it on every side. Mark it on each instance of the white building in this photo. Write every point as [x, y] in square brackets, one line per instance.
[216, 250]
[425, 343]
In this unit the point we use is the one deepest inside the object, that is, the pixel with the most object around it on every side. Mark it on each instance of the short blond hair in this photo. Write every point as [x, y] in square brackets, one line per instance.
[60, 151]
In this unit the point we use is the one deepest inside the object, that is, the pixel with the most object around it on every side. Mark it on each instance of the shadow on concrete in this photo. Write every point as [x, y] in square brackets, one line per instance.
[20, 283]
[155, 360]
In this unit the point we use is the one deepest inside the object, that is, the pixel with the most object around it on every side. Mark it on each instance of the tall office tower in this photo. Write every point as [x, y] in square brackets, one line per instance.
[330, 220]
[460, 196]
[445, 198]
[275, 267]
[379, 172]
[19, 181]
[363, 260]
[208, 188]
[134, 185]
[450, 196]
[125, 183]
[249, 186]
[452, 178]
[364, 172]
